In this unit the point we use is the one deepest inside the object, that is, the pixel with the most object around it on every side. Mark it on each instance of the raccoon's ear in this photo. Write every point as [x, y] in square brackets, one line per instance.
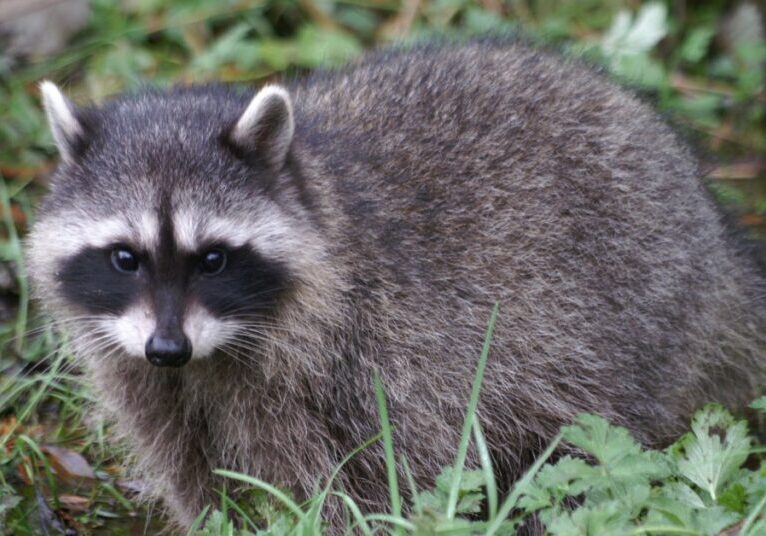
[265, 129]
[67, 130]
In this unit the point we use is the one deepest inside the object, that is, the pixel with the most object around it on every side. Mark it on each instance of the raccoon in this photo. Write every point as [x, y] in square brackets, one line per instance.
[233, 269]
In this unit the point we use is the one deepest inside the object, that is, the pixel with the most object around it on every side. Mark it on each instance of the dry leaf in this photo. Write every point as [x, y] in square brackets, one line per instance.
[74, 503]
[132, 486]
[748, 220]
[68, 464]
[738, 170]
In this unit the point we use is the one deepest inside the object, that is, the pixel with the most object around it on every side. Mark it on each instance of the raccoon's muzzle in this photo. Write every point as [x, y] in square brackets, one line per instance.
[169, 346]
[168, 351]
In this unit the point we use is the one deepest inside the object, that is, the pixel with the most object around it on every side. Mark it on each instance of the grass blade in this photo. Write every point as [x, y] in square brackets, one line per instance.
[350, 455]
[745, 531]
[416, 505]
[486, 466]
[397, 522]
[513, 497]
[227, 503]
[18, 258]
[313, 519]
[361, 523]
[388, 447]
[197, 524]
[268, 488]
[469, 418]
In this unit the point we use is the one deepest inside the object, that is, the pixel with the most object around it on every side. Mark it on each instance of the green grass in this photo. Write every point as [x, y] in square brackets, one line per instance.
[709, 479]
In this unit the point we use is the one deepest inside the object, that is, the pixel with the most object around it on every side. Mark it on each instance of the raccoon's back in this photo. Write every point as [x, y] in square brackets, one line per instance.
[496, 152]
[496, 172]
[451, 137]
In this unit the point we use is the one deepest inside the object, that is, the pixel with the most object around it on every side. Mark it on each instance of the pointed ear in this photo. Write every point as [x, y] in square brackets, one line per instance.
[67, 130]
[265, 129]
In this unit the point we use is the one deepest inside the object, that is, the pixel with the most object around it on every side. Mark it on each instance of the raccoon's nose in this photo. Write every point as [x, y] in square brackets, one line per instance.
[174, 351]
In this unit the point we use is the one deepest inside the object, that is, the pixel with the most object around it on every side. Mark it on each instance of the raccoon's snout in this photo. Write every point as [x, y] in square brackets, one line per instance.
[168, 350]
[169, 346]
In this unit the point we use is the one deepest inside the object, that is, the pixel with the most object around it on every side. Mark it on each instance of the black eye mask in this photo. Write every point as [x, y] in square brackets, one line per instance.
[236, 281]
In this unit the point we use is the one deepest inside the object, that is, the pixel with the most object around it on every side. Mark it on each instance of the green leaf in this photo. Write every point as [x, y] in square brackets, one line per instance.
[628, 42]
[224, 50]
[696, 44]
[759, 404]
[479, 21]
[665, 509]
[713, 520]
[553, 483]
[639, 69]
[632, 36]
[734, 498]
[470, 496]
[7, 503]
[726, 194]
[684, 494]
[714, 450]
[319, 46]
[614, 448]
[605, 518]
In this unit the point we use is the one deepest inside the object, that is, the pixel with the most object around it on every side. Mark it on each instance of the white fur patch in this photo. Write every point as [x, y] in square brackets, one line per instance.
[186, 230]
[255, 124]
[148, 228]
[54, 240]
[255, 110]
[205, 332]
[71, 233]
[270, 233]
[61, 119]
[132, 329]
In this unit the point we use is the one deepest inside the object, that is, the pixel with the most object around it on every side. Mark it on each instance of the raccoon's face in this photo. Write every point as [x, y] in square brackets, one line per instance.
[173, 228]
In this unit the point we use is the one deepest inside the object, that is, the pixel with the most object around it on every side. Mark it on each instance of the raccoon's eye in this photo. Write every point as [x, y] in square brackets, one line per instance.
[124, 260]
[213, 262]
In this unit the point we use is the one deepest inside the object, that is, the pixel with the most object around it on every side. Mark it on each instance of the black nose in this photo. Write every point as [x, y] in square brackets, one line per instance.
[168, 351]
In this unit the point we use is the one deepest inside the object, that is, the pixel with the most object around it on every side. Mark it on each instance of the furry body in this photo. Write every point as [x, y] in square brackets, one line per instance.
[420, 188]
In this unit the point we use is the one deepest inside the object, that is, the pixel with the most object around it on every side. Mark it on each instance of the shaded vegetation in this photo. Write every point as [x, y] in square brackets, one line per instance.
[703, 63]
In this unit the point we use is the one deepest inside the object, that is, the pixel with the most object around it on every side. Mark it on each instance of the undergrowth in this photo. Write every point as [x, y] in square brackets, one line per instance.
[700, 485]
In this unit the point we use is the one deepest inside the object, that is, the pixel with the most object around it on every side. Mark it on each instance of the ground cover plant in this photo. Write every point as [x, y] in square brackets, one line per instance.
[702, 65]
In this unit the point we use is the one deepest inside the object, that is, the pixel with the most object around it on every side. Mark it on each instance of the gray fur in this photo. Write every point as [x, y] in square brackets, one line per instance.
[420, 188]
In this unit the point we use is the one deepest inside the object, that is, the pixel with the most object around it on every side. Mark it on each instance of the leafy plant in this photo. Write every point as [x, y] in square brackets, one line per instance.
[698, 485]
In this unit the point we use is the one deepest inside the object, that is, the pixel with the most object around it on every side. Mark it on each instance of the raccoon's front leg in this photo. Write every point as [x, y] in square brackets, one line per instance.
[166, 431]
[189, 489]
